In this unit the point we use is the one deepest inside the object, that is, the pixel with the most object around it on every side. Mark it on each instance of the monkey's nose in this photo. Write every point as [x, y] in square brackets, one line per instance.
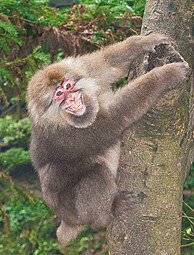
[71, 97]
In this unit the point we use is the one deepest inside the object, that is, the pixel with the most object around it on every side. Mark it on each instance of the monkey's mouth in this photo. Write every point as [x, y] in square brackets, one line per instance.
[74, 104]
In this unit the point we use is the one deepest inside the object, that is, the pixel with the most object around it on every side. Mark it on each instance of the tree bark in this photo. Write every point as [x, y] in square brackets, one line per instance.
[158, 150]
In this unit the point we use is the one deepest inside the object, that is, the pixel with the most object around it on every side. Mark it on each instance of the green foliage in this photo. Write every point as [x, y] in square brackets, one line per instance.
[14, 157]
[188, 229]
[26, 224]
[188, 215]
[87, 242]
[189, 184]
[114, 8]
[137, 6]
[111, 9]
[15, 133]
[41, 56]
[36, 11]
[8, 32]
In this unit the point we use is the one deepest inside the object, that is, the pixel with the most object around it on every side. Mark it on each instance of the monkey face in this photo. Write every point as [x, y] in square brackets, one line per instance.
[61, 99]
[77, 101]
[69, 98]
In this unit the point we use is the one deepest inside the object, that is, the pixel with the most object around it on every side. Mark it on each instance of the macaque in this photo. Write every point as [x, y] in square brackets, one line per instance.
[78, 123]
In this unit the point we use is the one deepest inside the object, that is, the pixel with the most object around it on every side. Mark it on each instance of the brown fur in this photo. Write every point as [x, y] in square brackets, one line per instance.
[77, 156]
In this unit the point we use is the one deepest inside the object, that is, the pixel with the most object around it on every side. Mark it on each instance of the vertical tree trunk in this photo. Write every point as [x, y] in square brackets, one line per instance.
[158, 150]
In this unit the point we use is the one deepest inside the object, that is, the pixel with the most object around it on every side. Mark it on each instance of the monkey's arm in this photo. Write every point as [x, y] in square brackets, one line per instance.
[133, 101]
[113, 62]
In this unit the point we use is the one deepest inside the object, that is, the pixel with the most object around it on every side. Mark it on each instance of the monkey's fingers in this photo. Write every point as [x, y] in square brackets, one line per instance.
[155, 39]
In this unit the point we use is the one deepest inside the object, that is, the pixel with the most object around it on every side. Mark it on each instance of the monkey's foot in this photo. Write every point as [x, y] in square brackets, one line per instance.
[124, 201]
[66, 233]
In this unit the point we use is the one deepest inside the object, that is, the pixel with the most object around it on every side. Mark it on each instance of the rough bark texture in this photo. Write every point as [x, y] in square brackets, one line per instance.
[158, 150]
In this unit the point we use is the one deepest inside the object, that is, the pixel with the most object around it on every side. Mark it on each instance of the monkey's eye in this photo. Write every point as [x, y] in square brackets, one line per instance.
[68, 85]
[59, 93]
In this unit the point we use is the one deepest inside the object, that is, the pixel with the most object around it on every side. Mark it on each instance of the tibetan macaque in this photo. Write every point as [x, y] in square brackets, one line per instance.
[77, 125]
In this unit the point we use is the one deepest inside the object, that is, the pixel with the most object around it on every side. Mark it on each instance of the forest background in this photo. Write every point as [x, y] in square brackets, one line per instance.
[34, 33]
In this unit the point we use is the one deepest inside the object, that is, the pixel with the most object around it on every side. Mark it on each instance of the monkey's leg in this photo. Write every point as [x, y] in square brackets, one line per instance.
[98, 199]
[94, 198]
[66, 233]
[134, 100]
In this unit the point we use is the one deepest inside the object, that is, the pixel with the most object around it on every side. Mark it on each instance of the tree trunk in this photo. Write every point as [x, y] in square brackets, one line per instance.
[158, 150]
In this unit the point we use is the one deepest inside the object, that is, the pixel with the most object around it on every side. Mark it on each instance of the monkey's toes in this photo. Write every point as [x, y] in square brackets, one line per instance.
[124, 201]
[65, 233]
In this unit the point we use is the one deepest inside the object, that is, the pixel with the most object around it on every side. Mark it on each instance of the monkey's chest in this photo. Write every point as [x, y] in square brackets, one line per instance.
[85, 143]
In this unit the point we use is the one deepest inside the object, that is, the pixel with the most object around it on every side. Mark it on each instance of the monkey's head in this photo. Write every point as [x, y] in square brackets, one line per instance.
[56, 97]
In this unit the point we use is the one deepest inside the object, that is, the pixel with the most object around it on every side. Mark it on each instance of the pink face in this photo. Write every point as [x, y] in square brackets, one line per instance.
[69, 98]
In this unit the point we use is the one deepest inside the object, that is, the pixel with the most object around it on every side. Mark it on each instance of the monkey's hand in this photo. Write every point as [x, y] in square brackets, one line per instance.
[177, 73]
[149, 42]
[113, 62]
[145, 90]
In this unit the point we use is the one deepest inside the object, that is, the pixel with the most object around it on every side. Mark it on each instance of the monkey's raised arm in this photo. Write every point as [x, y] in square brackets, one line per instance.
[107, 65]
[135, 99]
[113, 62]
